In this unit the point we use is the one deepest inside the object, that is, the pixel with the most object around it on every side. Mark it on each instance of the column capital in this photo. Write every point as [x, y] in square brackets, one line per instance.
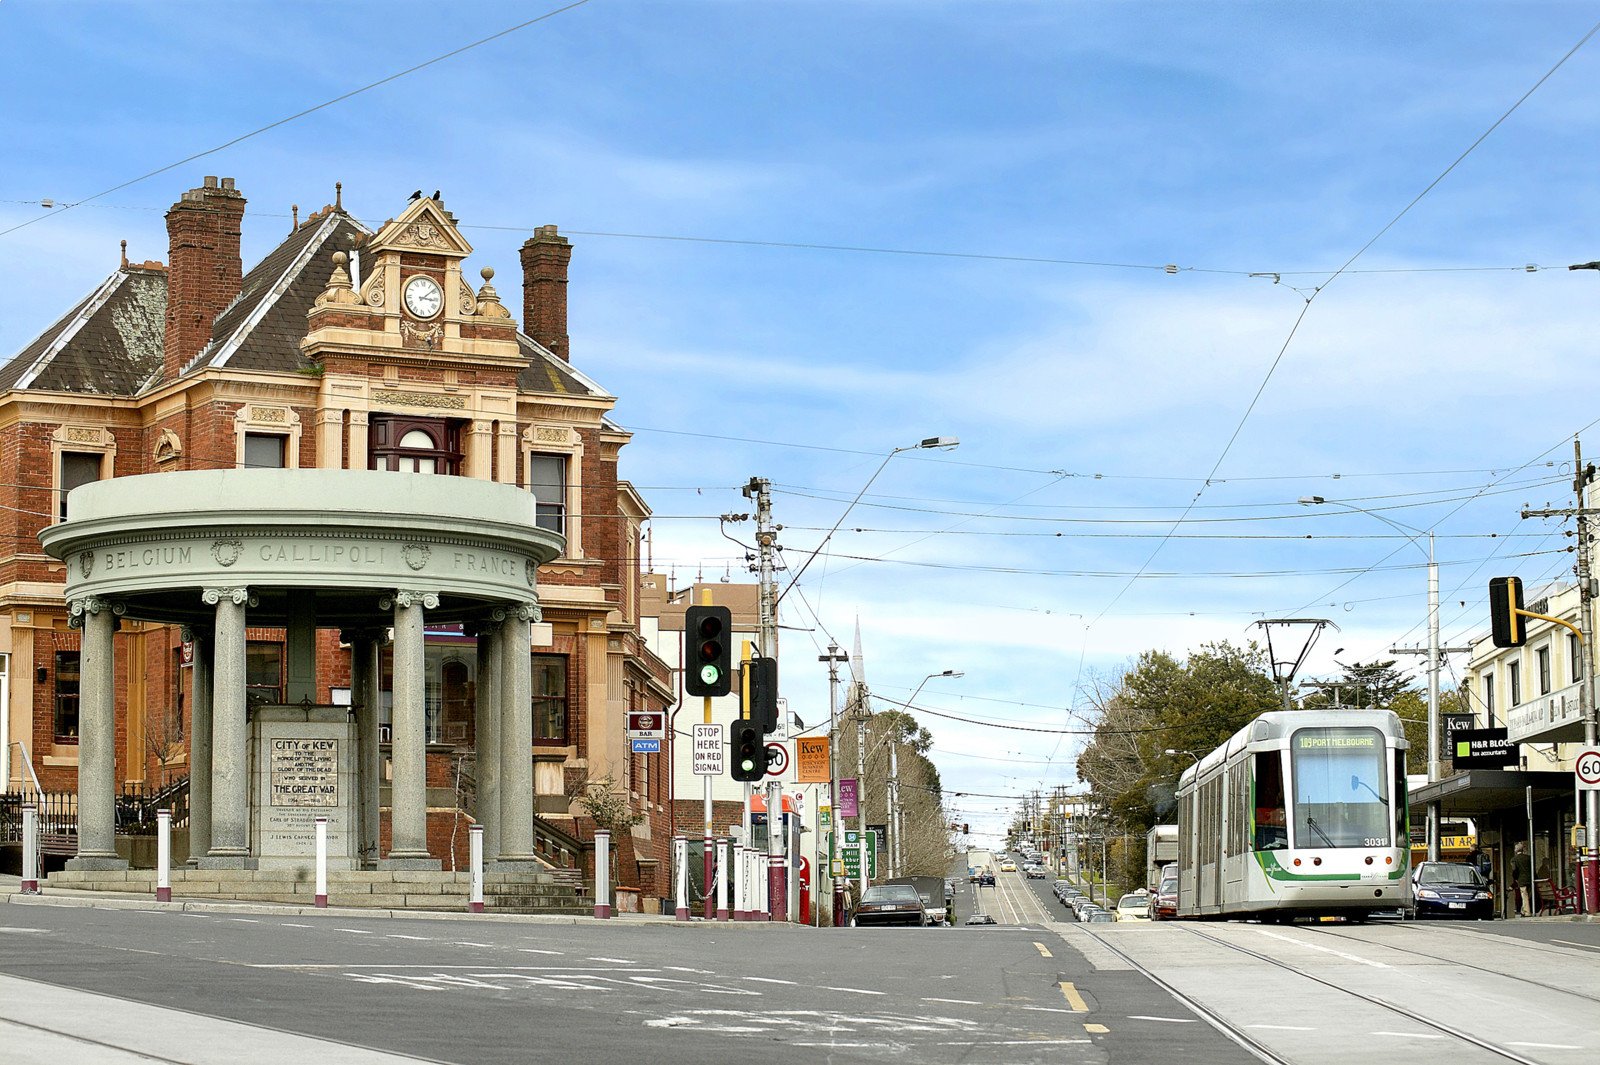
[78, 609]
[238, 596]
[409, 597]
[528, 611]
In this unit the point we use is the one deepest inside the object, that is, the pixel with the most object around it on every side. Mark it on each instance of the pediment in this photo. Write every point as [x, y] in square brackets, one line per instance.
[424, 226]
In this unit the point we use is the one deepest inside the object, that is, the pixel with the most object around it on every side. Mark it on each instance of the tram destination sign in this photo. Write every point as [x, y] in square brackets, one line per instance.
[1483, 748]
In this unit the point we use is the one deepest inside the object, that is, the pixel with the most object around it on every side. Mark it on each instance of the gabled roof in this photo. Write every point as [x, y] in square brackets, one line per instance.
[109, 344]
[262, 329]
[549, 373]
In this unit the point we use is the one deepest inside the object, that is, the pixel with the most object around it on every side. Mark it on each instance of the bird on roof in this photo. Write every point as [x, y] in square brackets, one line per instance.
[417, 195]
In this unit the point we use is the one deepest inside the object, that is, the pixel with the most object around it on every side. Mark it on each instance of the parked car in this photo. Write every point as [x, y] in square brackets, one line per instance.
[1080, 904]
[888, 904]
[1134, 906]
[1099, 916]
[1450, 889]
[980, 918]
[1164, 900]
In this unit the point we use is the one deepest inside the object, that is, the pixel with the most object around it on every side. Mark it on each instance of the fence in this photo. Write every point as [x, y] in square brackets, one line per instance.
[136, 807]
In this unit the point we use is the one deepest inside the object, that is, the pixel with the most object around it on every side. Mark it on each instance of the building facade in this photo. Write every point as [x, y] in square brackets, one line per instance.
[345, 348]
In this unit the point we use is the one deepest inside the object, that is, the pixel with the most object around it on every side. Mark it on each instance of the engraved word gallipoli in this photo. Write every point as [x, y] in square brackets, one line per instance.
[316, 553]
[305, 772]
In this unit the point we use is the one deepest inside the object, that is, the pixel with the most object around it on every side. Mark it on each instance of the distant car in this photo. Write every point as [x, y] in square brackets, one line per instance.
[1164, 901]
[1099, 916]
[1008, 867]
[1134, 906]
[980, 918]
[1450, 889]
[890, 904]
[986, 880]
[1036, 872]
[1080, 904]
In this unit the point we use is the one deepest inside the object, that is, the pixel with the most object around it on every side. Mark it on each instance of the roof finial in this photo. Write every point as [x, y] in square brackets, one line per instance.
[294, 212]
[124, 255]
[338, 195]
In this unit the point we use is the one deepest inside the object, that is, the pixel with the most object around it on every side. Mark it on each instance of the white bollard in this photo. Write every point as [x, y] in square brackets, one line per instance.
[30, 849]
[736, 863]
[163, 855]
[680, 859]
[475, 861]
[721, 868]
[322, 862]
[602, 873]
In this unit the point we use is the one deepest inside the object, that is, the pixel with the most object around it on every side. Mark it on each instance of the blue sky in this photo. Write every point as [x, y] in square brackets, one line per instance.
[1222, 138]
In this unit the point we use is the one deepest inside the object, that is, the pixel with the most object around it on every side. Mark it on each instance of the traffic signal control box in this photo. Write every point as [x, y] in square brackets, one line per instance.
[1505, 602]
[707, 650]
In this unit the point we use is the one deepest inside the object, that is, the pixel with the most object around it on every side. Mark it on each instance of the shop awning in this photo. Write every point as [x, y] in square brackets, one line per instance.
[1486, 791]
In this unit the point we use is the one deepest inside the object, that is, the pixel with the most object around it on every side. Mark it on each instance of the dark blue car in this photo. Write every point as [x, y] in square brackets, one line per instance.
[1450, 889]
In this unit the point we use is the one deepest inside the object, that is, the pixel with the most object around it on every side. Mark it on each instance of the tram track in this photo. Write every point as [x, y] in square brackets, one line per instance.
[1453, 961]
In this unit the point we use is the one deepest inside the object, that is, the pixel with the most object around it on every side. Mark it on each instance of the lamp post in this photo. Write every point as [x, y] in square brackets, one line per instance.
[1411, 533]
[896, 822]
[833, 658]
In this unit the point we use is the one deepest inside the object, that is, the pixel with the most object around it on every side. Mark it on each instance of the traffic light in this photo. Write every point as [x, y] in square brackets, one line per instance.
[749, 750]
[706, 636]
[1505, 600]
[764, 693]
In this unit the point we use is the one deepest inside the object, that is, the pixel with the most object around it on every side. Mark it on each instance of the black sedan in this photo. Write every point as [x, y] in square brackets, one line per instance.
[1450, 889]
[884, 904]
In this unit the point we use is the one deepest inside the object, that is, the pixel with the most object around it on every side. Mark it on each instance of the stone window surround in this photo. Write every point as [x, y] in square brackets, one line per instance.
[82, 440]
[267, 419]
[563, 441]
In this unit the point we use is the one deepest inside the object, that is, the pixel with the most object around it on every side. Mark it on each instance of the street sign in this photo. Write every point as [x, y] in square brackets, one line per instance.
[849, 796]
[777, 759]
[811, 759]
[647, 725]
[646, 746]
[710, 752]
[825, 817]
[850, 854]
[780, 731]
[1587, 769]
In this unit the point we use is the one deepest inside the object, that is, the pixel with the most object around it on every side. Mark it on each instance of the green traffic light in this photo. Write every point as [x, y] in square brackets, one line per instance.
[710, 674]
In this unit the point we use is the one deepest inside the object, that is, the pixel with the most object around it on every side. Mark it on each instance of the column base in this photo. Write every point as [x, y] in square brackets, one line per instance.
[410, 861]
[515, 864]
[97, 861]
[226, 861]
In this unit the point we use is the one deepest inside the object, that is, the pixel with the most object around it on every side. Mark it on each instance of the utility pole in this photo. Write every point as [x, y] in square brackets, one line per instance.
[833, 658]
[1588, 704]
[759, 489]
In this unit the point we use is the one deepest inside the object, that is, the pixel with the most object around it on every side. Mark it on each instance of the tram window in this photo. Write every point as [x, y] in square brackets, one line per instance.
[1402, 801]
[1341, 788]
[1272, 832]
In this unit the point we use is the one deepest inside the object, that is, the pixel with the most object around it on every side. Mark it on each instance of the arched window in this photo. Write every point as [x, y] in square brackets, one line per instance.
[414, 445]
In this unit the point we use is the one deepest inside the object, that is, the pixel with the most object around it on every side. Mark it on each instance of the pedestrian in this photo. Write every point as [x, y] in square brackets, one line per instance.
[1479, 860]
[1519, 866]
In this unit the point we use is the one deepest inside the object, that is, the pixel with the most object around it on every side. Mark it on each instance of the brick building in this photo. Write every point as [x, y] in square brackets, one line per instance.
[343, 348]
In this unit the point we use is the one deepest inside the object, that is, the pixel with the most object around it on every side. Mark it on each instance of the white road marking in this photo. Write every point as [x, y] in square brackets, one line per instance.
[1047, 1009]
[614, 961]
[854, 990]
[480, 946]
[686, 969]
[956, 1001]
[290, 924]
[245, 920]
[770, 980]
[1326, 950]
[26, 931]
[1018, 1042]
[354, 931]
[1164, 1020]
[536, 950]
[1410, 1035]
[398, 935]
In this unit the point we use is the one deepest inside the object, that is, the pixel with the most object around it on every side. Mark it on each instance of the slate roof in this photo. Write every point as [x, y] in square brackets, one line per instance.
[109, 344]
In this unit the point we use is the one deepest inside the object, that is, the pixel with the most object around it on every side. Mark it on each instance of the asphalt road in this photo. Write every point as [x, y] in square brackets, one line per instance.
[75, 983]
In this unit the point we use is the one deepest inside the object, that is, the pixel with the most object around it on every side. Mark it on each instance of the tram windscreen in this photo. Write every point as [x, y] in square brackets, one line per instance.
[1341, 788]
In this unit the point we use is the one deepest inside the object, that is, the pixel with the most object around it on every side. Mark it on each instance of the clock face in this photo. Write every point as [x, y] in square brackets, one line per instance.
[423, 297]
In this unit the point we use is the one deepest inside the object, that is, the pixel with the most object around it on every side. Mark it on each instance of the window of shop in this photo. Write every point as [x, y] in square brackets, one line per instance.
[414, 445]
[66, 714]
[1488, 698]
[263, 673]
[550, 699]
[1514, 682]
[1575, 656]
[265, 451]
[77, 469]
[547, 479]
[178, 703]
[450, 676]
[1542, 658]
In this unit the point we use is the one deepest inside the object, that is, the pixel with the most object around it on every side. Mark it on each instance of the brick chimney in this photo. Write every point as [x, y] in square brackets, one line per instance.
[203, 268]
[544, 289]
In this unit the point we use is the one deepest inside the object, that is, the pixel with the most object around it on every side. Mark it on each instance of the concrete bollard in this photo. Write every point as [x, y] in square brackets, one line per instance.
[680, 861]
[322, 862]
[30, 849]
[163, 855]
[602, 873]
[736, 860]
[721, 868]
[475, 860]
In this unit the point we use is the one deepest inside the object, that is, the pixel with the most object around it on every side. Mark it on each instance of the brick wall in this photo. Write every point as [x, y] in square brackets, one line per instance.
[204, 270]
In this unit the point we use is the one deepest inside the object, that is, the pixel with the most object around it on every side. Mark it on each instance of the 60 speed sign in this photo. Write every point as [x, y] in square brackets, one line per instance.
[1587, 769]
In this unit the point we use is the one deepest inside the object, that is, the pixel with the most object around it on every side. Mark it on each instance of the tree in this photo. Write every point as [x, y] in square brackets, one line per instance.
[605, 801]
[163, 739]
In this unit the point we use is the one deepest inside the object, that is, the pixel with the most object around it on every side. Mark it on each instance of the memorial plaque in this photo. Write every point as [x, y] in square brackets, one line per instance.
[304, 772]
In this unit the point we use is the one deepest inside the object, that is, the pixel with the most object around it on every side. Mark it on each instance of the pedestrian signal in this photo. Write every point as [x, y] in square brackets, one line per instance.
[749, 751]
[1505, 612]
[707, 635]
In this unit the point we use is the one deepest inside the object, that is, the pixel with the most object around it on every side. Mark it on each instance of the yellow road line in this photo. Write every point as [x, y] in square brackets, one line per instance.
[1097, 1029]
[1043, 952]
[1074, 999]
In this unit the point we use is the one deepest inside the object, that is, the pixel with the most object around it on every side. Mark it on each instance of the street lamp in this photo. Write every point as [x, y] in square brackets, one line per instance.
[896, 821]
[1412, 533]
[932, 443]
[833, 658]
[1177, 751]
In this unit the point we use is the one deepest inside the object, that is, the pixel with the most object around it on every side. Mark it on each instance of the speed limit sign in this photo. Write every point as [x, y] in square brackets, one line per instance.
[1587, 769]
[777, 759]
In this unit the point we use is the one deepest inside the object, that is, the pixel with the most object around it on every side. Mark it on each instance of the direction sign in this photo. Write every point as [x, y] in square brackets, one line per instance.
[710, 753]
[777, 759]
[646, 746]
[850, 853]
[1587, 769]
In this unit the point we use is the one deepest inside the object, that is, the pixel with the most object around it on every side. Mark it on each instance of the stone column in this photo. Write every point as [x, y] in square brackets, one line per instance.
[516, 738]
[199, 743]
[366, 678]
[97, 736]
[486, 725]
[408, 788]
[230, 732]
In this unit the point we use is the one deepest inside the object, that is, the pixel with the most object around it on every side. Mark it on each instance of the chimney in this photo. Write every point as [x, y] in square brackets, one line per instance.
[544, 289]
[203, 267]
